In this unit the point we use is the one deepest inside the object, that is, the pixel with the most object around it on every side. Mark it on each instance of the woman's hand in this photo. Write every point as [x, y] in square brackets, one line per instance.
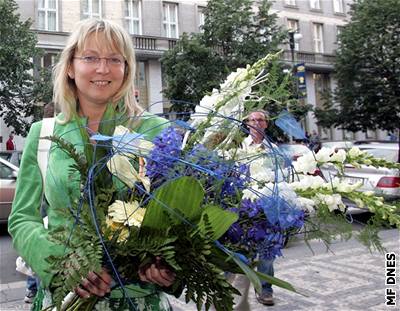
[157, 273]
[95, 284]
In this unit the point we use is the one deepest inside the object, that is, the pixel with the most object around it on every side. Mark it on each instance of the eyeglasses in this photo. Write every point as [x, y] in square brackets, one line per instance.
[94, 60]
[256, 120]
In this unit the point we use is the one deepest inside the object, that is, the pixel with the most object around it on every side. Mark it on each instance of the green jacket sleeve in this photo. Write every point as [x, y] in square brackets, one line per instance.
[25, 224]
[151, 125]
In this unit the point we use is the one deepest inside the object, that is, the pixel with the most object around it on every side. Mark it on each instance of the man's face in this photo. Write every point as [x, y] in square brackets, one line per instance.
[257, 121]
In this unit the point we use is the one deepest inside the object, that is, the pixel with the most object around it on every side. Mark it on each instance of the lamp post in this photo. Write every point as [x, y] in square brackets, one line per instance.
[294, 37]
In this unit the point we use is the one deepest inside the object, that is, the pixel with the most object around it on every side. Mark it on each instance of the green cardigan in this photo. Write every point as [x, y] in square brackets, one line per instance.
[25, 223]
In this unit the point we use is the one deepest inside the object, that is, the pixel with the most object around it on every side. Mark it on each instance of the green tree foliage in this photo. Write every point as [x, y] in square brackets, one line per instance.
[17, 51]
[367, 70]
[233, 36]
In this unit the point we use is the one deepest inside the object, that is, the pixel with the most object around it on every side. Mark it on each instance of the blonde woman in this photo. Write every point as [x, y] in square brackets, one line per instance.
[93, 78]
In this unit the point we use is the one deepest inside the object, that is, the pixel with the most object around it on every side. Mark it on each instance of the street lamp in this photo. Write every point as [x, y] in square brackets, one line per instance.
[294, 37]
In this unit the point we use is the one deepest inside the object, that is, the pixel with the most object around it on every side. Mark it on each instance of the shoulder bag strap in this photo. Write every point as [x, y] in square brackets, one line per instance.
[43, 154]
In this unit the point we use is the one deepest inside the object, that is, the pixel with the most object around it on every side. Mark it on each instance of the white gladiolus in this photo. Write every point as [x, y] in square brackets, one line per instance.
[235, 77]
[324, 154]
[343, 186]
[339, 156]
[333, 201]
[355, 152]
[306, 204]
[305, 164]
[308, 182]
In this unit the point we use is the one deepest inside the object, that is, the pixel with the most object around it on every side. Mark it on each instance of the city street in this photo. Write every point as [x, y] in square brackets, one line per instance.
[348, 277]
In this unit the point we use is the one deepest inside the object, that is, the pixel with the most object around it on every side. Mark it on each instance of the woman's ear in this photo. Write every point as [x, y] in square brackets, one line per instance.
[71, 73]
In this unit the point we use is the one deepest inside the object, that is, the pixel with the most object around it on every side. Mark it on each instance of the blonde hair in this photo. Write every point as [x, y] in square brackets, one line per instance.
[65, 92]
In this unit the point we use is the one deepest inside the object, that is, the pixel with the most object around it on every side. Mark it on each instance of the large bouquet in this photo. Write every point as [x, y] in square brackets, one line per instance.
[195, 199]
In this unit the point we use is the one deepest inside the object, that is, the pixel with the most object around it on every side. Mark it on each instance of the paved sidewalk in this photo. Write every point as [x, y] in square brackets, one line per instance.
[350, 278]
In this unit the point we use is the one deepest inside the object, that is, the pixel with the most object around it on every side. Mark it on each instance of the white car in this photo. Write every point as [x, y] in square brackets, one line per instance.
[338, 144]
[382, 181]
[8, 177]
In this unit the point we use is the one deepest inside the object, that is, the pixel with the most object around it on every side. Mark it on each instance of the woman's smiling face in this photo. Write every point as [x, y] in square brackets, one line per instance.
[98, 71]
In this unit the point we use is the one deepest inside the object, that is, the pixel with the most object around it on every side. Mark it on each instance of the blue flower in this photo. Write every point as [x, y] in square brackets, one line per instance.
[166, 152]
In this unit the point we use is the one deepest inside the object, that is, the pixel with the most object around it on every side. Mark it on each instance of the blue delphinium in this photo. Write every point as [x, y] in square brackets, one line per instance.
[258, 231]
[165, 154]
[230, 175]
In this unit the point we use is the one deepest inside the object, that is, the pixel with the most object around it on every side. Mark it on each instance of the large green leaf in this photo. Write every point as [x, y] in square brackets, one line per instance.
[219, 219]
[249, 272]
[277, 282]
[180, 197]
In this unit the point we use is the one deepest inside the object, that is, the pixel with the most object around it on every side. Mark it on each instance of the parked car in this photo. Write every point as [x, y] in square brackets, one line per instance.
[382, 181]
[338, 144]
[374, 141]
[8, 177]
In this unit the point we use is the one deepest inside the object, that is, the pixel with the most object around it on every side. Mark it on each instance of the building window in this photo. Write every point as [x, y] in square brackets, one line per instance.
[339, 30]
[318, 38]
[92, 8]
[47, 15]
[48, 60]
[141, 91]
[201, 17]
[170, 20]
[290, 2]
[315, 5]
[293, 25]
[338, 6]
[133, 15]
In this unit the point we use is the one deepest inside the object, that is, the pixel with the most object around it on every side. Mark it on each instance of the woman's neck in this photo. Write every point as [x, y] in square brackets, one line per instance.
[94, 114]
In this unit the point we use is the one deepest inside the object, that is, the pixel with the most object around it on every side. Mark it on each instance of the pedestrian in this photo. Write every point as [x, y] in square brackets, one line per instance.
[32, 285]
[315, 142]
[94, 76]
[10, 146]
[256, 123]
[392, 136]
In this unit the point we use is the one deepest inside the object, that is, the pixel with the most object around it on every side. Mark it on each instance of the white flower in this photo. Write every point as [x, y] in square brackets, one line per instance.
[324, 154]
[339, 156]
[343, 186]
[254, 192]
[306, 204]
[128, 213]
[305, 164]
[206, 105]
[121, 167]
[308, 182]
[355, 152]
[235, 77]
[333, 201]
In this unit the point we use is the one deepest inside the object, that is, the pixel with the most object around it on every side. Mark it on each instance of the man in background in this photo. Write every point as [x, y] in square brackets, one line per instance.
[257, 122]
[10, 146]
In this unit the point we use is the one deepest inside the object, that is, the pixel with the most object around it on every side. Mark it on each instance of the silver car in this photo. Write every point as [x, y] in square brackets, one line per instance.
[382, 181]
[8, 177]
